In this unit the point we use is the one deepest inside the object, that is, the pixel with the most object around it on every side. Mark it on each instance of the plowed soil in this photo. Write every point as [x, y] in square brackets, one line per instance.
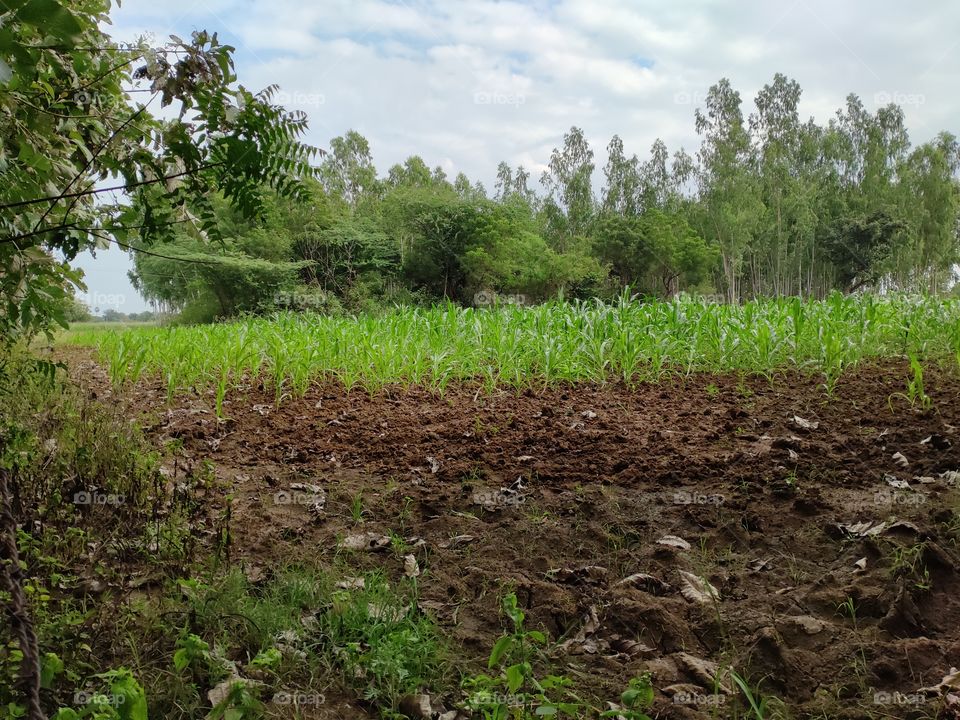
[832, 560]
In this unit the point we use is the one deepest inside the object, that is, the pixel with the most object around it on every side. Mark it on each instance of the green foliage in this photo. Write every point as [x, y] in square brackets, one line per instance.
[635, 700]
[863, 247]
[524, 346]
[760, 707]
[655, 252]
[372, 637]
[67, 121]
[119, 697]
[516, 692]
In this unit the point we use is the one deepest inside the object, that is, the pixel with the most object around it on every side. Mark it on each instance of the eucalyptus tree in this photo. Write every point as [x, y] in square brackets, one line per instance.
[782, 246]
[622, 187]
[348, 171]
[569, 205]
[730, 209]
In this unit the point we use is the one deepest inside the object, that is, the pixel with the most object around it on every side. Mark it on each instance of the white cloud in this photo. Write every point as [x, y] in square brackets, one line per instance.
[467, 84]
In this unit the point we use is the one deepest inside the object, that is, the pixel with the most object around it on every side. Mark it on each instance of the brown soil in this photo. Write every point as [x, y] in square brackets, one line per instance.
[607, 472]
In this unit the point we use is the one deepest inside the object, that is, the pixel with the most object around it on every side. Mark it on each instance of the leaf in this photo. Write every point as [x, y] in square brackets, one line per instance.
[805, 424]
[515, 676]
[674, 541]
[697, 589]
[502, 646]
[65, 714]
[181, 658]
[132, 700]
[50, 16]
[50, 666]
[410, 567]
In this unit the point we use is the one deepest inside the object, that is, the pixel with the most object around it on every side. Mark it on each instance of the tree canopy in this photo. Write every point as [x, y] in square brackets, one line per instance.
[71, 129]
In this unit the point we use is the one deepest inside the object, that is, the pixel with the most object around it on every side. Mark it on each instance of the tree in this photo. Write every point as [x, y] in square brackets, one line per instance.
[413, 173]
[569, 203]
[67, 122]
[621, 192]
[347, 170]
[861, 247]
[730, 208]
[654, 252]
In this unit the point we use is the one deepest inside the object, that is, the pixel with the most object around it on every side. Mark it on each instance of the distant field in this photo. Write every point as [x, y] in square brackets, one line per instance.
[94, 327]
[528, 346]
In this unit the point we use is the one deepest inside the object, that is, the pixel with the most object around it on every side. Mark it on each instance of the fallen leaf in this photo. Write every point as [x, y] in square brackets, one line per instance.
[697, 589]
[410, 567]
[646, 582]
[386, 613]
[863, 529]
[218, 693]
[674, 541]
[456, 541]
[307, 487]
[705, 671]
[900, 459]
[951, 681]
[355, 583]
[804, 424]
[894, 482]
[810, 625]
[589, 625]
[951, 476]
[902, 526]
[364, 541]
[626, 646]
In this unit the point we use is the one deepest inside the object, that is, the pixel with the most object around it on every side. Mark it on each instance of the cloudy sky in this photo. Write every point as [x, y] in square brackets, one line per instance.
[468, 84]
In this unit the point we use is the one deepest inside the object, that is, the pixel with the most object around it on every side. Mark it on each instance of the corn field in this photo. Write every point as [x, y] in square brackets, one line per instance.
[520, 347]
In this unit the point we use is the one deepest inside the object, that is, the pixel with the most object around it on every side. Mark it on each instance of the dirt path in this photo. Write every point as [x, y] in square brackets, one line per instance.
[661, 529]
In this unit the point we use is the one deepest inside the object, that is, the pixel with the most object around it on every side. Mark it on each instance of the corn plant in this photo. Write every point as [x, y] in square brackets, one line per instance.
[526, 347]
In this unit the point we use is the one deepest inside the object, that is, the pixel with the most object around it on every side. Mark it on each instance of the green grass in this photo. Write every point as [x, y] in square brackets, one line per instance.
[530, 346]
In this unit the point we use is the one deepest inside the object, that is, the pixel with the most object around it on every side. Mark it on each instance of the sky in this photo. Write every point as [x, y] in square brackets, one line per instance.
[468, 84]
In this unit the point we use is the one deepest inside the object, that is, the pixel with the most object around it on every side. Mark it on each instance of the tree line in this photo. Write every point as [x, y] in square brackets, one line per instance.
[769, 205]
